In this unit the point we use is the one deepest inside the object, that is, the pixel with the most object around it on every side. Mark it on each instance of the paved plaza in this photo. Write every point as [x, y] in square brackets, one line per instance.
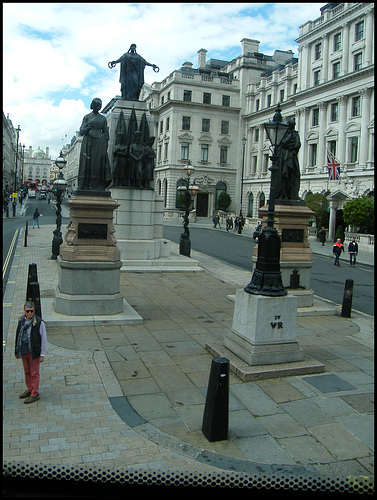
[131, 397]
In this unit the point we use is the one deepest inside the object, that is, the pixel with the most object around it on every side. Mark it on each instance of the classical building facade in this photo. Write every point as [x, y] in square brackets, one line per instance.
[11, 164]
[203, 113]
[38, 166]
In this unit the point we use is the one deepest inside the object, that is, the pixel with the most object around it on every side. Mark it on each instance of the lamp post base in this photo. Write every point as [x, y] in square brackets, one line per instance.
[184, 245]
[57, 240]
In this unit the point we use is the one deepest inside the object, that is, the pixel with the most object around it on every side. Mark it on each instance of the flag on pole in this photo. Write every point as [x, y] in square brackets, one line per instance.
[334, 167]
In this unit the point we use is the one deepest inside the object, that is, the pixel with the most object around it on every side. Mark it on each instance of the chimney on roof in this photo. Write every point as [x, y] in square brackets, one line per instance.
[249, 45]
[202, 58]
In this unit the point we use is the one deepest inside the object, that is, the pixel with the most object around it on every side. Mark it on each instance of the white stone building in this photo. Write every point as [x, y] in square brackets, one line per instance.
[37, 166]
[202, 114]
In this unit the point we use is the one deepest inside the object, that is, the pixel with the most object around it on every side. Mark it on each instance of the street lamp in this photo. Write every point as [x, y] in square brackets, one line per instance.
[266, 278]
[59, 186]
[188, 191]
[243, 164]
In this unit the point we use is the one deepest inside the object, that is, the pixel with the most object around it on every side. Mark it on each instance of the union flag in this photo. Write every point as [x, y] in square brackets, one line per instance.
[334, 167]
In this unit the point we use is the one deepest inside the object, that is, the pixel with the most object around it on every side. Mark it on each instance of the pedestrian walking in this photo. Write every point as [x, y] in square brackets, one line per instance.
[236, 223]
[214, 220]
[36, 218]
[322, 236]
[353, 249]
[30, 346]
[218, 220]
[337, 249]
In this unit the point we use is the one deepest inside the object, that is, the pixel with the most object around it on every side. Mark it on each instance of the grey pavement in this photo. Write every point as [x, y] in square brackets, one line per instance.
[131, 398]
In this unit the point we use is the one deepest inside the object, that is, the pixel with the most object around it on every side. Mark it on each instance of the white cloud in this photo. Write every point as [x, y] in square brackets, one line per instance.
[55, 55]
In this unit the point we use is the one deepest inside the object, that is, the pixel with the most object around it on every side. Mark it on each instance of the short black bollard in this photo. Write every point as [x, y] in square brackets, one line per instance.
[36, 298]
[32, 277]
[347, 299]
[215, 417]
[26, 233]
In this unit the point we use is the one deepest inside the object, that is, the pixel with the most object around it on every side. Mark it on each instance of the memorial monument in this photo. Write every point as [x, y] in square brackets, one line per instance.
[263, 340]
[138, 218]
[89, 260]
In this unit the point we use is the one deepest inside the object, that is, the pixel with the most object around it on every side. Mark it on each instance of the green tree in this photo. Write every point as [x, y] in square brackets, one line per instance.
[359, 212]
[318, 203]
[223, 201]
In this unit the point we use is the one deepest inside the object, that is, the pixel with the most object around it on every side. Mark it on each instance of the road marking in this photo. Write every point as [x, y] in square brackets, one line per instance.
[12, 245]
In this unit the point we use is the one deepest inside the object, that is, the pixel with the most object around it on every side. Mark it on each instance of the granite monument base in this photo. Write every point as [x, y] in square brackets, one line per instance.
[264, 329]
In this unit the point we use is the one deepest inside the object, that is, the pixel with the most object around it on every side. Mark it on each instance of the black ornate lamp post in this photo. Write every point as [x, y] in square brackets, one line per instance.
[266, 278]
[59, 186]
[243, 164]
[188, 191]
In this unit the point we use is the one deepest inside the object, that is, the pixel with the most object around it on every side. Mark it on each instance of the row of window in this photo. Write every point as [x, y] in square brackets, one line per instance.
[185, 152]
[336, 68]
[207, 98]
[186, 125]
[337, 40]
[269, 98]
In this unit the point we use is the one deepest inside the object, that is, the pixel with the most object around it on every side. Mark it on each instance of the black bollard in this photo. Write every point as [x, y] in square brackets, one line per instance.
[36, 298]
[26, 233]
[32, 277]
[347, 299]
[215, 417]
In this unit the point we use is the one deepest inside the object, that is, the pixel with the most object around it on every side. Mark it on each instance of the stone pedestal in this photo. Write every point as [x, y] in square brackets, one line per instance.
[291, 221]
[264, 330]
[89, 260]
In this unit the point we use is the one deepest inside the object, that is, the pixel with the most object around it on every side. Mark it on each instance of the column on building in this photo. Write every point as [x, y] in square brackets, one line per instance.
[260, 151]
[303, 67]
[345, 48]
[364, 132]
[301, 116]
[325, 57]
[369, 42]
[321, 160]
[341, 149]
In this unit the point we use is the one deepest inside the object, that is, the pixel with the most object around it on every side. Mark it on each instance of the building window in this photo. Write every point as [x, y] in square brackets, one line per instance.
[226, 100]
[224, 127]
[332, 147]
[257, 105]
[337, 42]
[265, 163]
[166, 151]
[336, 70]
[313, 155]
[317, 51]
[254, 164]
[334, 112]
[161, 126]
[281, 95]
[354, 148]
[295, 88]
[223, 154]
[186, 123]
[168, 96]
[204, 152]
[269, 97]
[162, 100]
[315, 120]
[168, 123]
[205, 124]
[356, 106]
[187, 95]
[256, 134]
[206, 98]
[316, 77]
[184, 151]
[358, 61]
[359, 31]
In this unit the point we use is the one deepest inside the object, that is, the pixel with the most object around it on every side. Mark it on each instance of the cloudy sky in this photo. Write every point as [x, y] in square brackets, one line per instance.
[55, 55]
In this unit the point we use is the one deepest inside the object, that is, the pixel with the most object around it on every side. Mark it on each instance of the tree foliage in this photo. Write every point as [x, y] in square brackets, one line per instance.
[359, 212]
[318, 203]
[223, 201]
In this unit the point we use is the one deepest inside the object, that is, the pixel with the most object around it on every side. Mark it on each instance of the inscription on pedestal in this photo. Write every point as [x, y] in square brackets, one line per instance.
[292, 235]
[89, 231]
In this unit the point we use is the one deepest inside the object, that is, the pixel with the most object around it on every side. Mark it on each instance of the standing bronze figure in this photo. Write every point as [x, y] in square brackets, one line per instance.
[94, 167]
[132, 73]
[288, 182]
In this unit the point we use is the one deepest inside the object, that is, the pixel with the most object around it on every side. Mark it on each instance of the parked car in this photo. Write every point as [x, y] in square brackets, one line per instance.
[257, 232]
